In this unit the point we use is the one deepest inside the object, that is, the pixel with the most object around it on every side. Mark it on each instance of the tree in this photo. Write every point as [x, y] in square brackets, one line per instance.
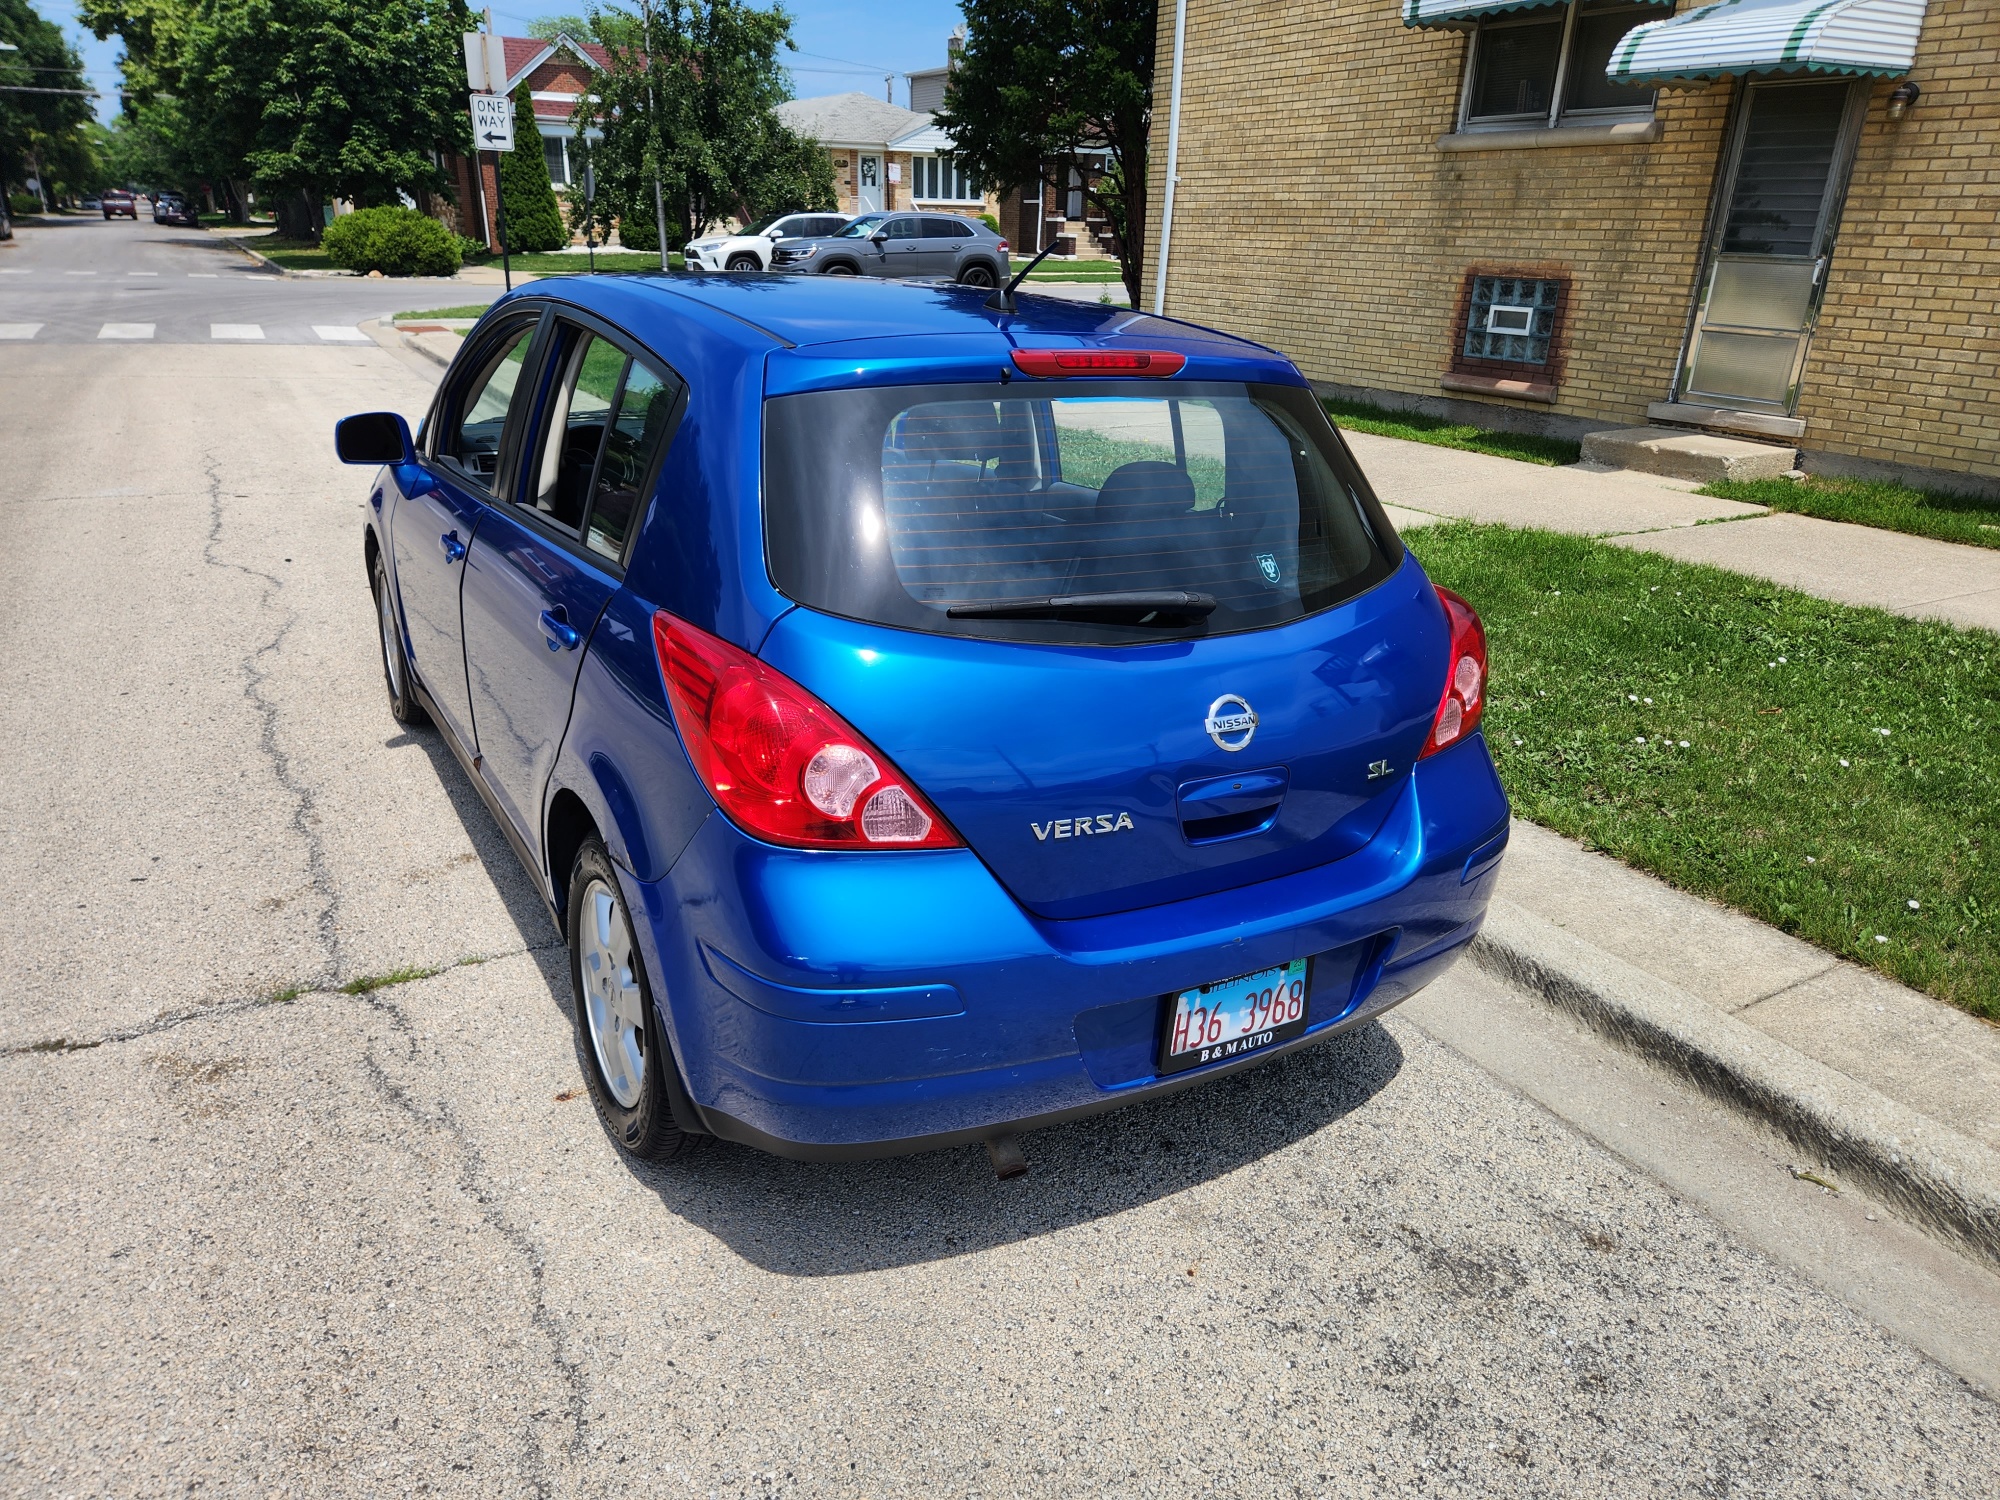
[314, 98]
[527, 196]
[688, 108]
[1040, 84]
[42, 135]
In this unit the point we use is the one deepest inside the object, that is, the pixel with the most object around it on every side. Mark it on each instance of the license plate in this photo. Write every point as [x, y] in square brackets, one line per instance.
[1234, 1016]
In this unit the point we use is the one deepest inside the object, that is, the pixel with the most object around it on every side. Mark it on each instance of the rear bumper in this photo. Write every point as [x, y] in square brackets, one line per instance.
[829, 1005]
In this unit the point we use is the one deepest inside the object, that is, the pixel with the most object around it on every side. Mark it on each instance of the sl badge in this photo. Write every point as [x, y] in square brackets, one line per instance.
[1267, 564]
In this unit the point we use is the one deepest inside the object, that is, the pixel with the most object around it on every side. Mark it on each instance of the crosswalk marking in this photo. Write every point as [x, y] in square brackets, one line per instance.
[126, 331]
[142, 273]
[202, 275]
[17, 270]
[19, 330]
[79, 273]
[235, 330]
[341, 335]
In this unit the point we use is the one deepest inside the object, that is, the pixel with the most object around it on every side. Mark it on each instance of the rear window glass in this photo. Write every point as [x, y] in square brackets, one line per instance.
[898, 505]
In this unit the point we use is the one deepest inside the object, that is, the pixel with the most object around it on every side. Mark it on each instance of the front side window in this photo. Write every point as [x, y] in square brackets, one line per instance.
[862, 227]
[904, 229]
[475, 414]
[961, 510]
[1546, 66]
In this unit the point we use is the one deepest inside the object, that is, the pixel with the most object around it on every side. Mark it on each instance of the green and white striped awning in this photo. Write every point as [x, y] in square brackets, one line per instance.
[1468, 12]
[1867, 38]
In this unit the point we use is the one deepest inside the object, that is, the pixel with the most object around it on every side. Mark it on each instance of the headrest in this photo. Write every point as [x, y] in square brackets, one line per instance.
[1145, 491]
[966, 433]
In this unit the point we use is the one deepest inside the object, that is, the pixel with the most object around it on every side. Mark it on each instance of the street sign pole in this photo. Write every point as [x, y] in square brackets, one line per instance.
[493, 130]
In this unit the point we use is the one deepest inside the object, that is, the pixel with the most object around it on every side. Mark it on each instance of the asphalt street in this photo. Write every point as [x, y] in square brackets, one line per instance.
[105, 281]
[300, 1192]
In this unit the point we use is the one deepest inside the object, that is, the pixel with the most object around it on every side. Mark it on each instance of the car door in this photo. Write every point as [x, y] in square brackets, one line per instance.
[901, 253]
[545, 563]
[436, 519]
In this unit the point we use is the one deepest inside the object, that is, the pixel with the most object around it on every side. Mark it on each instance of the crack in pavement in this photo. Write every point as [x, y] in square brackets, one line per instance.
[168, 1020]
[472, 1183]
[304, 808]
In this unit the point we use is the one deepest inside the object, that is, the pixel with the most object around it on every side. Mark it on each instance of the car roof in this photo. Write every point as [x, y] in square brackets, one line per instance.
[804, 312]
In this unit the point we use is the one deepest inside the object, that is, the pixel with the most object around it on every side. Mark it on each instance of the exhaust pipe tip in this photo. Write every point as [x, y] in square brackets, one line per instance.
[1008, 1159]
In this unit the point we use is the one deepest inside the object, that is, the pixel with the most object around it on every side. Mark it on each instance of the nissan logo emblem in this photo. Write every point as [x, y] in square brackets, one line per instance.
[1230, 722]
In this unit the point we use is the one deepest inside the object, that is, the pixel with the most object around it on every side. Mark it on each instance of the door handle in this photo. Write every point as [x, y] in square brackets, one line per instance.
[451, 546]
[557, 630]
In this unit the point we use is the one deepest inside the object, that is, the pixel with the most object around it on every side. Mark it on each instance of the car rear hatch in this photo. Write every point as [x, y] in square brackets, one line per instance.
[1233, 680]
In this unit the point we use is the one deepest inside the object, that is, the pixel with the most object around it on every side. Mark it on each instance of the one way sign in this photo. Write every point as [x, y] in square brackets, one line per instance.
[492, 122]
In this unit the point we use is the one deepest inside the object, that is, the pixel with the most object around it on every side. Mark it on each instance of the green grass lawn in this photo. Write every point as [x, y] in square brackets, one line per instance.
[302, 255]
[1832, 771]
[1070, 270]
[1416, 428]
[470, 310]
[1892, 507]
[291, 255]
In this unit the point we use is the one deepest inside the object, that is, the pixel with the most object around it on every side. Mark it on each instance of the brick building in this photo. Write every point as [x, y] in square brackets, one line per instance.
[558, 74]
[1772, 218]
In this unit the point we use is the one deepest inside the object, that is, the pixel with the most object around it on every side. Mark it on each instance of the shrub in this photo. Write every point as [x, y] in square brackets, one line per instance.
[990, 222]
[534, 221]
[638, 228]
[396, 241]
[470, 250]
[23, 203]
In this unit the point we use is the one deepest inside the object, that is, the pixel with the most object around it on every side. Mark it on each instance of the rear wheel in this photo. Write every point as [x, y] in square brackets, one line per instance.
[403, 705]
[977, 274]
[743, 260]
[618, 1038]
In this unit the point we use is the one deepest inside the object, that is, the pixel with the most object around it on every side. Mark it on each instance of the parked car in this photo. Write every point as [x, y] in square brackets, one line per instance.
[172, 208]
[93, 203]
[119, 203]
[924, 721]
[751, 250]
[901, 244]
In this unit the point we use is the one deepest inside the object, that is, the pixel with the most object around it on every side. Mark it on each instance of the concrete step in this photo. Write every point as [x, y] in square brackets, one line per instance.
[1675, 451]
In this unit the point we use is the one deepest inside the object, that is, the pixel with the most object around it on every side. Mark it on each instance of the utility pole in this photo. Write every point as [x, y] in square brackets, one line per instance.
[653, 108]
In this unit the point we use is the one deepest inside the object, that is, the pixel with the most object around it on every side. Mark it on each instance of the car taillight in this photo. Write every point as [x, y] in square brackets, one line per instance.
[1464, 699]
[1001, 247]
[1156, 364]
[782, 765]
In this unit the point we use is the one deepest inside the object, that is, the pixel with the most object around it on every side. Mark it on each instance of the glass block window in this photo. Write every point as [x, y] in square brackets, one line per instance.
[1511, 318]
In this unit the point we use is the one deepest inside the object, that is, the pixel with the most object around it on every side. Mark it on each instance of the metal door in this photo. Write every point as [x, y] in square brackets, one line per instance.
[1790, 149]
[868, 184]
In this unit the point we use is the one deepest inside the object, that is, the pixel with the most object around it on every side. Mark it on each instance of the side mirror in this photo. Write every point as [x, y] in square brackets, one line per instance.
[879, 237]
[374, 437]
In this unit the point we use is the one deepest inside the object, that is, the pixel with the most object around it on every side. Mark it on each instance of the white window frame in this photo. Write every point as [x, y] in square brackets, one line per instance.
[1555, 117]
[939, 171]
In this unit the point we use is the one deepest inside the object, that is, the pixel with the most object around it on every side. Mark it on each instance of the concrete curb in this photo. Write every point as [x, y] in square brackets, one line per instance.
[439, 348]
[1946, 1182]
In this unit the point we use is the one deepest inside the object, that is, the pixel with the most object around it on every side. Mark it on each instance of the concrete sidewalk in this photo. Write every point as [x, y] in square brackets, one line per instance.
[1906, 575]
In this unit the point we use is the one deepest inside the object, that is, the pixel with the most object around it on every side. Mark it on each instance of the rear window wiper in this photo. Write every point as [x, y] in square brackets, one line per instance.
[1125, 606]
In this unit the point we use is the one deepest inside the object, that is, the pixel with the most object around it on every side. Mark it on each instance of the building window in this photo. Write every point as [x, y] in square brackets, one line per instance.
[555, 151]
[939, 180]
[1546, 66]
[1510, 320]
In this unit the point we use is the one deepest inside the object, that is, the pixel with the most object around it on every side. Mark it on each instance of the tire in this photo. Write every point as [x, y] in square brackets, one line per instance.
[743, 260]
[840, 268]
[977, 274]
[618, 1038]
[403, 705]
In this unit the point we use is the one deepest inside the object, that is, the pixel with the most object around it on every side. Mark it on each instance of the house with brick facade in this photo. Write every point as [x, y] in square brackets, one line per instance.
[1772, 219]
[558, 74]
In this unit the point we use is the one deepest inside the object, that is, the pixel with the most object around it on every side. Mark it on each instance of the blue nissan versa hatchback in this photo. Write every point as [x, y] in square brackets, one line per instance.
[923, 720]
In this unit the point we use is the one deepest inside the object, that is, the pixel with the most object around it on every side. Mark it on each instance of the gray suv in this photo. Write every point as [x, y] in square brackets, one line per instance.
[900, 244]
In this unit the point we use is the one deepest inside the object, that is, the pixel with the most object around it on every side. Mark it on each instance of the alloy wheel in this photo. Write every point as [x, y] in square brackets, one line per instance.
[613, 1004]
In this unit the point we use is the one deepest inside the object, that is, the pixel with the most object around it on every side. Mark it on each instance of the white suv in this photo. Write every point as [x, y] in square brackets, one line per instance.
[752, 251]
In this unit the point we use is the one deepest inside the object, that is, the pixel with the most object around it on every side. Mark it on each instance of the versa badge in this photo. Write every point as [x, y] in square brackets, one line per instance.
[1076, 828]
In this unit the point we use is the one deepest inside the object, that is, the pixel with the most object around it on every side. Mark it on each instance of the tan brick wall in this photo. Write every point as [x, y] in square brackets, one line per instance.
[1316, 213]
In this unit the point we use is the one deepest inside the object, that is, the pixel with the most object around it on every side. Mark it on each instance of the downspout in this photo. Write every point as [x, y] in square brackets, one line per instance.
[1173, 159]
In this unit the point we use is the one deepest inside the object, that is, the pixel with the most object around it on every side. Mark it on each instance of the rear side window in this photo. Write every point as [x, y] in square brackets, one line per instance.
[895, 505]
[476, 412]
[947, 229]
[602, 424]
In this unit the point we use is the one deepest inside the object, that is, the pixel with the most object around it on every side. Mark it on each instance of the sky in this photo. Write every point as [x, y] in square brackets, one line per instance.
[841, 46]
